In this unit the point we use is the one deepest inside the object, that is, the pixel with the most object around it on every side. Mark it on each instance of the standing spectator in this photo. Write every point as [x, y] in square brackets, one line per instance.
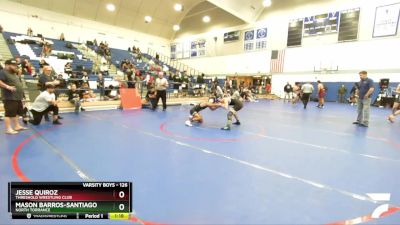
[342, 93]
[138, 79]
[321, 94]
[268, 86]
[396, 105]
[288, 89]
[306, 90]
[200, 79]
[12, 95]
[131, 82]
[29, 32]
[45, 79]
[353, 98]
[62, 38]
[161, 90]
[100, 84]
[43, 104]
[364, 93]
[296, 92]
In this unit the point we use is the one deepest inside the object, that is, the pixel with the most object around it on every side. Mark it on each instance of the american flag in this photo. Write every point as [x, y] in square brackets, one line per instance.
[277, 61]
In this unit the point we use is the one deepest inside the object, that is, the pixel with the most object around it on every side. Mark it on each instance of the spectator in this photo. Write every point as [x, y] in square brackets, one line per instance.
[29, 32]
[364, 93]
[12, 94]
[131, 82]
[185, 84]
[68, 68]
[87, 94]
[62, 38]
[200, 79]
[161, 86]
[100, 84]
[43, 63]
[74, 79]
[104, 69]
[26, 67]
[296, 92]
[63, 83]
[46, 51]
[321, 94]
[268, 84]
[111, 93]
[46, 102]
[306, 90]
[46, 78]
[288, 89]
[342, 93]
[138, 79]
[74, 97]
[150, 98]
[353, 98]
[1, 29]
[396, 105]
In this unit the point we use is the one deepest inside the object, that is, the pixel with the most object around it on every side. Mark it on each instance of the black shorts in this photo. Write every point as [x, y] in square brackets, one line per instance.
[397, 99]
[237, 104]
[13, 108]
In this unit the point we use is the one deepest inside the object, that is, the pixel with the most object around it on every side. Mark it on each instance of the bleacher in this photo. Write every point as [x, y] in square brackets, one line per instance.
[36, 49]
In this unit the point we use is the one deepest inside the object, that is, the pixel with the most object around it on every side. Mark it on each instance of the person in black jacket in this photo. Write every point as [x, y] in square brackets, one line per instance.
[288, 89]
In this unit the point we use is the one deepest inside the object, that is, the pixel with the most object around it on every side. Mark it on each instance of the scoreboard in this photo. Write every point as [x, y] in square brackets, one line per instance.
[70, 200]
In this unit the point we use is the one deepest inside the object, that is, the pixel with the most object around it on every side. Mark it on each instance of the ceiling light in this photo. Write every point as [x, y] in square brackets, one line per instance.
[267, 3]
[206, 19]
[110, 7]
[176, 27]
[147, 19]
[178, 7]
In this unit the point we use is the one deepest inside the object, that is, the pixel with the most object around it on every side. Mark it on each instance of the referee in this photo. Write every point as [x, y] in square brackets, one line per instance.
[161, 91]
[12, 93]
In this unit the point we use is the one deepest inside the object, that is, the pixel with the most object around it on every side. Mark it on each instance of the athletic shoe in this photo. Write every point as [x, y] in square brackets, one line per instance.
[57, 122]
[363, 125]
[237, 123]
[83, 110]
[226, 128]
[11, 132]
[356, 122]
[188, 123]
[60, 117]
[22, 128]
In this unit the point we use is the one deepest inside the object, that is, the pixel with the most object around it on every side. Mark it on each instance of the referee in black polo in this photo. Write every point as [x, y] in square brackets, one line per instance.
[12, 94]
[161, 90]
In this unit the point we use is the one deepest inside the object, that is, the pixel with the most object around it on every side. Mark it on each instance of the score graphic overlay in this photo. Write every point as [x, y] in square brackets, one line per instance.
[70, 200]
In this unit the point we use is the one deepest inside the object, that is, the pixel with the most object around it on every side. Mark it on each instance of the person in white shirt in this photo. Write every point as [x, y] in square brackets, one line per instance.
[43, 104]
[104, 68]
[161, 90]
[306, 90]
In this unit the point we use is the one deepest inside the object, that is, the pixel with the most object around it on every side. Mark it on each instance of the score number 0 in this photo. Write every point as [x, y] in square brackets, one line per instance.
[121, 195]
